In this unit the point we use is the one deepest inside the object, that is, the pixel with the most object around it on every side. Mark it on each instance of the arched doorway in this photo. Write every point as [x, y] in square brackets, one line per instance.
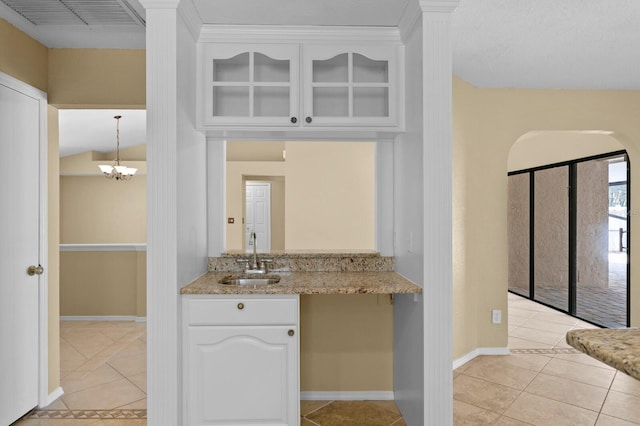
[567, 220]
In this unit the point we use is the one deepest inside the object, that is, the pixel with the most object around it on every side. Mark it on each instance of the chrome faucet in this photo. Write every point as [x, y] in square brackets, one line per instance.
[255, 265]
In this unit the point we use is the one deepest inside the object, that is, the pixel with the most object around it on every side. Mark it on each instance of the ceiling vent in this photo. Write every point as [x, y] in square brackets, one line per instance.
[77, 12]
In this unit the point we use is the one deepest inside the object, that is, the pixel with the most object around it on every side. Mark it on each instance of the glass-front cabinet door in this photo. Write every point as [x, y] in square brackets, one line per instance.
[350, 85]
[250, 84]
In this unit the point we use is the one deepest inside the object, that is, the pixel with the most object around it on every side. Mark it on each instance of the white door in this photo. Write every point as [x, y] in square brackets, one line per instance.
[258, 215]
[20, 120]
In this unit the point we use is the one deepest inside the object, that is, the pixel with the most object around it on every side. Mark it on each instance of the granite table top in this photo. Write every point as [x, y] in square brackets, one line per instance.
[309, 283]
[618, 348]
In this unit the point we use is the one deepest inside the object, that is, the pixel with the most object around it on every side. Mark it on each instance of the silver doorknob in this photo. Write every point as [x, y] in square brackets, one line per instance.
[35, 270]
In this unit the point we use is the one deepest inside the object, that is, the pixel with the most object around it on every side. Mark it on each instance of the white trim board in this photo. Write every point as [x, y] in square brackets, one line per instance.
[477, 352]
[103, 318]
[347, 396]
[57, 393]
[104, 247]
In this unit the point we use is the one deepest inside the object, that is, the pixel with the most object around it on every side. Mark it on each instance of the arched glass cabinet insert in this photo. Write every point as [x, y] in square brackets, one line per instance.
[355, 87]
[249, 85]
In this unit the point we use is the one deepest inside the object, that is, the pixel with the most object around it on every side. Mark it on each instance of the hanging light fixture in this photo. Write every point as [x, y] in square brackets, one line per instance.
[116, 171]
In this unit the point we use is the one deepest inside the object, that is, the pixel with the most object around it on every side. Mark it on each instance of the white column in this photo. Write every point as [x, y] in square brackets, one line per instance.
[163, 345]
[216, 196]
[438, 187]
[384, 197]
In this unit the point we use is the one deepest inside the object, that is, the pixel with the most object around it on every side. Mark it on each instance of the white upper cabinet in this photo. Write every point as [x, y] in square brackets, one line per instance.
[350, 85]
[328, 79]
[249, 84]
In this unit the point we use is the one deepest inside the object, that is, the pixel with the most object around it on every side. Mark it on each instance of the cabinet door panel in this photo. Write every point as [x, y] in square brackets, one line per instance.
[350, 85]
[242, 375]
[248, 84]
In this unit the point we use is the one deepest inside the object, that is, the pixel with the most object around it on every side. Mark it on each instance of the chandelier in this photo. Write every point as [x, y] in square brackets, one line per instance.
[116, 171]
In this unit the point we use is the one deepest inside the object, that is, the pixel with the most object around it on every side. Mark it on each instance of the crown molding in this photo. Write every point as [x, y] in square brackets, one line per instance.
[410, 17]
[191, 17]
[160, 4]
[302, 33]
[415, 10]
[439, 6]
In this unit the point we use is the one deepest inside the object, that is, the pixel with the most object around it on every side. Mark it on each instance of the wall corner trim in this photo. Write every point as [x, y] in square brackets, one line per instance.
[459, 362]
[51, 398]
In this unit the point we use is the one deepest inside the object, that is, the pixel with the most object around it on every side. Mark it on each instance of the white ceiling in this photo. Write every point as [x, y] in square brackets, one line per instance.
[552, 44]
[95, 129]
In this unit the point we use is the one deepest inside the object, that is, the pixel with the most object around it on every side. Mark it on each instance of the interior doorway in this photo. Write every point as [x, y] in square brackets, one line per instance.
[257, 216]
[569, 235]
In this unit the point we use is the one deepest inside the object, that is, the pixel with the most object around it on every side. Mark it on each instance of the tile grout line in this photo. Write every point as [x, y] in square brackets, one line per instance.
[317, 409]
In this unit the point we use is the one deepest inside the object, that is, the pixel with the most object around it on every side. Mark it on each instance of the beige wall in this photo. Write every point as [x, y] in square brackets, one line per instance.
[23, 57]
[330, 190]
[329, 195]
[540, 148]
[487, 123]
[346, 343]
[53, 220]
[97, 78]
[102, 283]
[96, 210]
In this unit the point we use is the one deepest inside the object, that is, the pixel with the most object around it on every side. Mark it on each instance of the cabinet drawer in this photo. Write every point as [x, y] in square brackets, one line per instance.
[241, 311]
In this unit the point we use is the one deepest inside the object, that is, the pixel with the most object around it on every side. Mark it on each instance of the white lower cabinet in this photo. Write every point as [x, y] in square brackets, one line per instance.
[241, 360]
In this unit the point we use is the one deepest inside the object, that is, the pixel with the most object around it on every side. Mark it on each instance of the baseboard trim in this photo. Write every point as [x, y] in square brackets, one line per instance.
[347, 396]
[103, 318]
[477, 352]
[57, 393]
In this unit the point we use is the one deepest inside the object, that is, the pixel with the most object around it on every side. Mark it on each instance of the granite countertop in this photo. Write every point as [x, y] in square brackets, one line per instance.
[309, 283]
[619, 348]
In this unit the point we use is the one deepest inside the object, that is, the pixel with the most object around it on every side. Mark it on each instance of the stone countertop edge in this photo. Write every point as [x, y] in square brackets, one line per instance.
[309, 283]
[305, 254]
[618, 348]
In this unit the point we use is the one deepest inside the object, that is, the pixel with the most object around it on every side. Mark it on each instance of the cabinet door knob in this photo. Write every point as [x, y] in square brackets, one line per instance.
[241, 306]
[291, 332]
[308, 119]
[294, 120]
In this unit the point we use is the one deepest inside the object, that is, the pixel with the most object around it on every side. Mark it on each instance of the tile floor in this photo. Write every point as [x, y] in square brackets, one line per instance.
[103, 374]
[543, 382]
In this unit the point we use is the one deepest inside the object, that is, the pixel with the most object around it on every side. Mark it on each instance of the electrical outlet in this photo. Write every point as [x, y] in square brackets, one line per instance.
[496, 316]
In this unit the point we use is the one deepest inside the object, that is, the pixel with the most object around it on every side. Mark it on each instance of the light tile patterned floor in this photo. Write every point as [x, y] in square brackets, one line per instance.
[543, 382]
[103, 374]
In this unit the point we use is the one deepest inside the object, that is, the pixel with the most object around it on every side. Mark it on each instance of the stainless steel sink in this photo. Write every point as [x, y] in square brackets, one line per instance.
[249, 280]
